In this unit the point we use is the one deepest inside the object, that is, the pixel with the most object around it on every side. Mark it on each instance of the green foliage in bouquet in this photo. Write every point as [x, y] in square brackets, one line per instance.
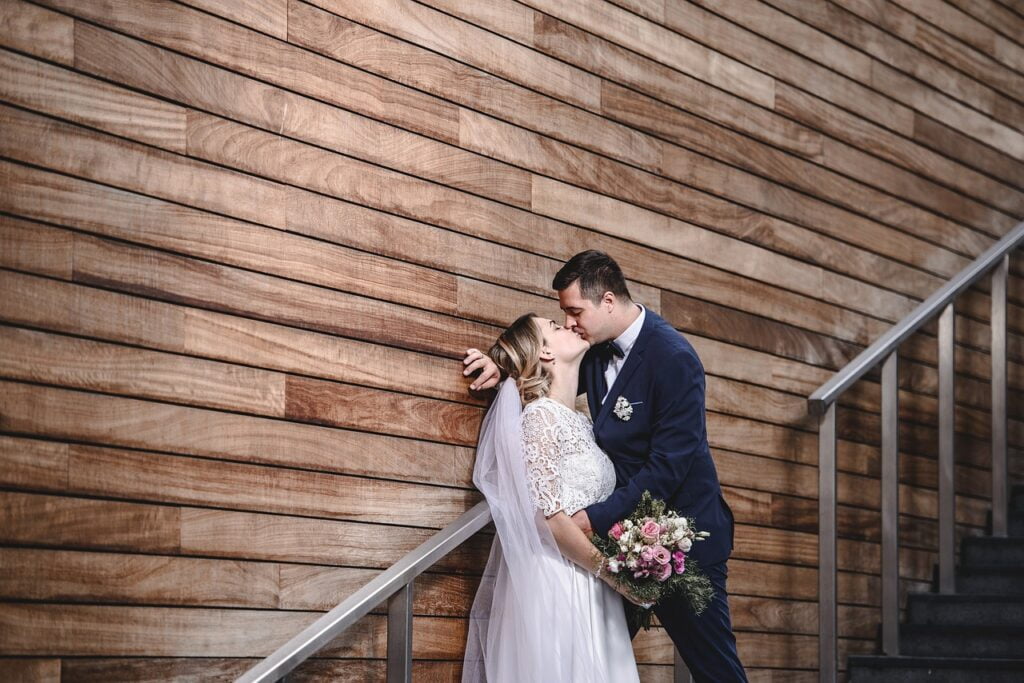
[636, 549]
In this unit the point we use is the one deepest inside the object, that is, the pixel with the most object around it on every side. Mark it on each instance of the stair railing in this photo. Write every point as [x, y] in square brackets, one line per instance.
[395, 585]
[884, 352]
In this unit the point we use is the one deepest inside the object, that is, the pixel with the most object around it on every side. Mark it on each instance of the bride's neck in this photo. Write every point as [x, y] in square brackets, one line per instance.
[565, 380]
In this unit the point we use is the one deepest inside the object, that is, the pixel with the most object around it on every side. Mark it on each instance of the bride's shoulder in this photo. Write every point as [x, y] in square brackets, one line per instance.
[552, 411]
[542, 404]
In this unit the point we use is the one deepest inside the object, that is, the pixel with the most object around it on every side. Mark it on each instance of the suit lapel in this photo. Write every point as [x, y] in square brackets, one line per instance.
[636, 354]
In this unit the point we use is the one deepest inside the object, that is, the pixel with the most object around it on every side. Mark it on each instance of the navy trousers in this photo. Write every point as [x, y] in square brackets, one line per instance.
[706, 643]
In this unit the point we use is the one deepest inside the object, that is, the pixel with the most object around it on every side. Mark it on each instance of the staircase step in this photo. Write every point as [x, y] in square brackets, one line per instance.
[990, 580]
[871, 669]
[961, 641]
[1006, 552]
[965, 610]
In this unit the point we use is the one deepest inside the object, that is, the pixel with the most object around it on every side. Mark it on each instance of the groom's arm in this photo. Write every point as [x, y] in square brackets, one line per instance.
[677, 432]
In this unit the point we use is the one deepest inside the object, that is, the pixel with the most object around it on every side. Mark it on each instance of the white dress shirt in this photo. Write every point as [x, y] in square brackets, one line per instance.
[625, 342]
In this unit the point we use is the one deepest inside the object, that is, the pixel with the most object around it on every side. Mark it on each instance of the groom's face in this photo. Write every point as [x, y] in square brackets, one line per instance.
[583, 316]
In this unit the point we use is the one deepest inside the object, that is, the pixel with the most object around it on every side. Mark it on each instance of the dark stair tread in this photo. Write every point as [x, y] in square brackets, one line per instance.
[927, 640]
[910, 661]
[1014, 571]
[1012, 545]
[965, 609]
[909, 669]
[964, 597]
[966, 630]
[997, 541]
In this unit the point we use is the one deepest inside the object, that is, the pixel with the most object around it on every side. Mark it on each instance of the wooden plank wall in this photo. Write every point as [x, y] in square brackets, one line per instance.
[245, 242]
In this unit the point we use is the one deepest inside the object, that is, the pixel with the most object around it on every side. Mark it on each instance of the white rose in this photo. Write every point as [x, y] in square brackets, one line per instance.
[614, 566]
[685, 545]
[627, 524]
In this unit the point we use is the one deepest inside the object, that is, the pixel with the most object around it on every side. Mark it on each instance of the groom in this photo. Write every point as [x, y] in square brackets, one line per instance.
[645, 389]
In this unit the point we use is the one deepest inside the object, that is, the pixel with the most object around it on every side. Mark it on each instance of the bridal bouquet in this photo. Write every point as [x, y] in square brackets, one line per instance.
[647, 554]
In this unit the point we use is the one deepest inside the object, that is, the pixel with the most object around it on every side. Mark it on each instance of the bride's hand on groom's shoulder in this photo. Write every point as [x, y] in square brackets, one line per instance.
[477, 361]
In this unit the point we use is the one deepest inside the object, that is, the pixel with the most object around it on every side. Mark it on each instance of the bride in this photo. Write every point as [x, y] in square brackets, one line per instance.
[546, 609]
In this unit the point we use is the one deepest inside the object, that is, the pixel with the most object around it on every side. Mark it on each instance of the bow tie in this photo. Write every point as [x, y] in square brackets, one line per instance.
[608, 350]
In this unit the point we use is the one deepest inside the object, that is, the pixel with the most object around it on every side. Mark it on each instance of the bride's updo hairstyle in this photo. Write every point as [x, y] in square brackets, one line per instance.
[517, 353]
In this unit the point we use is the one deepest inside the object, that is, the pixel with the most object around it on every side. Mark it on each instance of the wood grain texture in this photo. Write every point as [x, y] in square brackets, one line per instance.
[37, 30]
[941, 56]
[147, 425]
[836, 288]
[242, 50]
[24, 670]
[937, 89]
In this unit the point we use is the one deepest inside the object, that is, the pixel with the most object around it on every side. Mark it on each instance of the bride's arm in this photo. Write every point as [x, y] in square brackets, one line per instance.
[543, 456]
[576, 546]
[573, 543]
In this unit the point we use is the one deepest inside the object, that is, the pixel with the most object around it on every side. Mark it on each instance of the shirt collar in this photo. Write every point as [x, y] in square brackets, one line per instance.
[626, 340]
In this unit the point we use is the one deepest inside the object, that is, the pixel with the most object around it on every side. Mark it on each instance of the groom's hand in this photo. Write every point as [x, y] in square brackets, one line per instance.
[489, 373]
[582, 520]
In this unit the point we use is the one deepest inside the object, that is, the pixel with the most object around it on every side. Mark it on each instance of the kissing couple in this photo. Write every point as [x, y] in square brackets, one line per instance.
[547, 608]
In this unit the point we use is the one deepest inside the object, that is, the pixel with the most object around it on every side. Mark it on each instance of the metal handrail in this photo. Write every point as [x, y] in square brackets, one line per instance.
[884, 351]
[395, 585]
[397, 579]
[873, 355]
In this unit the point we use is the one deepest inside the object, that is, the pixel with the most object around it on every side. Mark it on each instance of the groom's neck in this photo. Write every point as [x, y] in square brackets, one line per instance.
[622, 317]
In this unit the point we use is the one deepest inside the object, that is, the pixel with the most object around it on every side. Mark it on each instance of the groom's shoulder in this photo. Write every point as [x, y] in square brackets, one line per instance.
[667, 340]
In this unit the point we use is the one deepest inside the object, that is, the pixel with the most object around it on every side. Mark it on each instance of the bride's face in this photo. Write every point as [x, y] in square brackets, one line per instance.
[559, 342]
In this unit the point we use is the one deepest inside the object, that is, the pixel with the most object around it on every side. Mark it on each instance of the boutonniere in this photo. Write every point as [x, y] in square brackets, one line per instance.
[624, 409]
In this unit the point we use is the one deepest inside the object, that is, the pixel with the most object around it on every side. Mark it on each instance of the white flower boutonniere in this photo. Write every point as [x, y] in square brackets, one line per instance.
[623, 409]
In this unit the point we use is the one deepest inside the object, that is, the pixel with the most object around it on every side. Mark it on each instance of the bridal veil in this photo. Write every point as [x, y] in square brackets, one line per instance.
[524, 625]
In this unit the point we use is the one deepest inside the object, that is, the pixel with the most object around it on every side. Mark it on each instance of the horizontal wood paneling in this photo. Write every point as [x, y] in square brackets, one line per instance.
[243, 246]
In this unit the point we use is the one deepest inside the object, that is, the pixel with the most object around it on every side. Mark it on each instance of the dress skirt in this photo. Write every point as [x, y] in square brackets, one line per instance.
[600, 615]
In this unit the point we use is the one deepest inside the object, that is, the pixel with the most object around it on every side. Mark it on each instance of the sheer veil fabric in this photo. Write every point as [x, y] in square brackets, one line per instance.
[526, 624]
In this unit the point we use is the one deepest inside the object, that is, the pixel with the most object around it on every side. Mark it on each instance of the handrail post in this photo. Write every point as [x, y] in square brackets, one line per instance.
[827, 598]
[1000, 497]
[399, 664]
[947, 427]
[890, 505]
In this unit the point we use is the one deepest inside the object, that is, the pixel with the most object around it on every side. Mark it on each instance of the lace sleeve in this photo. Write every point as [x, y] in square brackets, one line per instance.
[543, 456]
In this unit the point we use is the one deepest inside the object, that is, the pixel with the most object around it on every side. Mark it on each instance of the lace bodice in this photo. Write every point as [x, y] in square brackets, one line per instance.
[566, 469]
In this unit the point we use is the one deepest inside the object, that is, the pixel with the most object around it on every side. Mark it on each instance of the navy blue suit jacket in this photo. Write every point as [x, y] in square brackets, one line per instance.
[663, 447]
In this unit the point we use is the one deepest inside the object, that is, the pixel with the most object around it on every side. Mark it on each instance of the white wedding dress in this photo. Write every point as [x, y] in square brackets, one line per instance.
[587, 639]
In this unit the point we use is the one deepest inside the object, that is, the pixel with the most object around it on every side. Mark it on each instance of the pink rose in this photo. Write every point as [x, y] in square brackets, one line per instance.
[647, 554]
[679, 565]
[662, 572]
[650, 530]
[678, 556]
[661, 554]
[641, 574]
[616, 531]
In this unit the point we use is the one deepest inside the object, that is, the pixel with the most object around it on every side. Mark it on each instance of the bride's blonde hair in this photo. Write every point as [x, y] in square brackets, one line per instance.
[517, 353]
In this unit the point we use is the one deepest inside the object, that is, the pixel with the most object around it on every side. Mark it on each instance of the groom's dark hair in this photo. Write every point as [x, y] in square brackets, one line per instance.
[597, 273]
